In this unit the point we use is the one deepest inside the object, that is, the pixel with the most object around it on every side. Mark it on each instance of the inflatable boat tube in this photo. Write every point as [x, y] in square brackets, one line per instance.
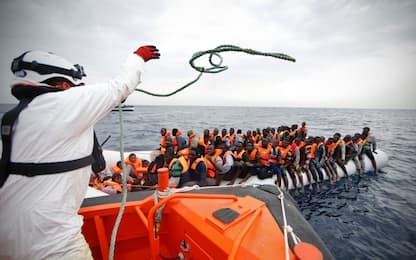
[381, 158]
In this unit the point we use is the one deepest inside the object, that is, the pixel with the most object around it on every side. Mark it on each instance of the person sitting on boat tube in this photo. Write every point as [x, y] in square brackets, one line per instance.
[369, 147]
[114, 184]
[179, 142]
[166, 142]
[253, 164]
[118, 169]
[196, 173]
[240, 158]
[39, 206]
[137, 167]
[217, 164]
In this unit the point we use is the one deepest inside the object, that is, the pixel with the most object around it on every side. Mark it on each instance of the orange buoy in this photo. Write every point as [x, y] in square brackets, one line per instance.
[306, 251]
[163, 178]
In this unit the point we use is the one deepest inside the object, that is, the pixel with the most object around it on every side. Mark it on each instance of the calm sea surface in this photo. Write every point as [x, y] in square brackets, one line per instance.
[372, 218]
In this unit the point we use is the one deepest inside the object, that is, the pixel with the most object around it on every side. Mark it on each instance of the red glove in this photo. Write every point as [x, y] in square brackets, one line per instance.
[148, 52]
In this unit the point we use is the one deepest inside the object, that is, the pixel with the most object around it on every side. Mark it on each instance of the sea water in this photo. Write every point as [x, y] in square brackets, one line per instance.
[369, 217]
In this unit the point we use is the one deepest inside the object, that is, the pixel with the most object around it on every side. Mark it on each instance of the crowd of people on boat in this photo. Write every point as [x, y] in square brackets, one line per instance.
[217, 156]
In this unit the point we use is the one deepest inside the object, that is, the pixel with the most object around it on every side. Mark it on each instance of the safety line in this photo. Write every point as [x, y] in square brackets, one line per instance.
[217, 66]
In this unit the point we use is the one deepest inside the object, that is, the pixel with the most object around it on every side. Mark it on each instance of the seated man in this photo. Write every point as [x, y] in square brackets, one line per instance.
[118, 168]
[137, 167]
[219, 163]
[253, 164]
[224, 164]
[240, 158]
[196, 173]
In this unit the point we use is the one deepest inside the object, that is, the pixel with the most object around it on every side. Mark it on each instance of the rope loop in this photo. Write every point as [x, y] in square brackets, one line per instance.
[216, 60]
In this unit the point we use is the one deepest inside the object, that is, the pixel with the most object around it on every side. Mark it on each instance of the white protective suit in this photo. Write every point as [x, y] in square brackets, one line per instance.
[39, 215]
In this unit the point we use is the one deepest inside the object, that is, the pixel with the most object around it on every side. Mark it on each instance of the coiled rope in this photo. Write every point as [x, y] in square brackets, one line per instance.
[216, 67]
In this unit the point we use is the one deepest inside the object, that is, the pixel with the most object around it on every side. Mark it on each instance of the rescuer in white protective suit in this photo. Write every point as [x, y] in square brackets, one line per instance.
[39, 211]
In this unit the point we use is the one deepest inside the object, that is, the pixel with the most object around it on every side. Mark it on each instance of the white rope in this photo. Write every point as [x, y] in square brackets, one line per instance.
[286, 228]
[170, 191]
[124, 198]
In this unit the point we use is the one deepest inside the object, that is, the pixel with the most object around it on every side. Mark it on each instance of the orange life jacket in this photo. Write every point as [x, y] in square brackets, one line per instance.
[239, 156]
[211, 169]
[116, 169]
[313, 151]
[252, 155]
[202, 143]
[284, 153]
[196, 162]
[329, 149]
[137, 166]
[264, 154]
[163, 142]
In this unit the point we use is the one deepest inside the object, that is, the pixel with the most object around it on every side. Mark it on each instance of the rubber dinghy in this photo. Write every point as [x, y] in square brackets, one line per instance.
[218, 222]
[381, 158]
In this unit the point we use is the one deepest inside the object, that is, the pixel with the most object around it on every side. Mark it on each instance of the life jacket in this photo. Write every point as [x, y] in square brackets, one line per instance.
[329, 149]
[238, 155]
[163, 142]
[203, 144]
[366, 143]
[224, 157]
[196, 162]
[264, 154]
[175, 141]
[302, 152]
[274, 153]
[284, 153]
[137, 166]
[211, 169]
[217, 152]
[293, 148]
[116, 186]
[116, 169]
[336, 148]
[252, 155]
[183, 163]
[320, 151]
[25, 93]
[312, 153]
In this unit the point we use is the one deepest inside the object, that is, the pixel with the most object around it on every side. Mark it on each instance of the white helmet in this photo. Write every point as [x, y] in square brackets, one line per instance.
[38, 66]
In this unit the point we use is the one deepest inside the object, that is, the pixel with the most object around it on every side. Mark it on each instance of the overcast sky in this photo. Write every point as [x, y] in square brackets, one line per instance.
[358, 54]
